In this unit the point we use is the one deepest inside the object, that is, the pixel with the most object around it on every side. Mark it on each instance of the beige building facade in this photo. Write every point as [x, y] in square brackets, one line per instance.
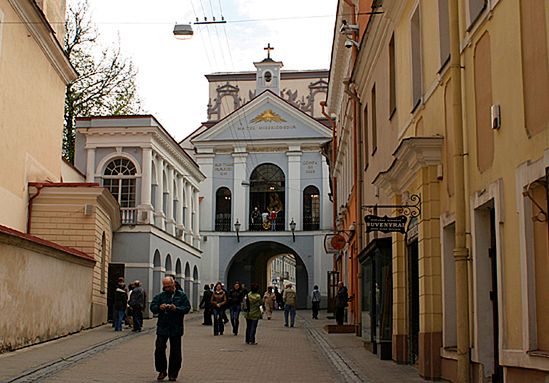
[465, 135]
[59, 252]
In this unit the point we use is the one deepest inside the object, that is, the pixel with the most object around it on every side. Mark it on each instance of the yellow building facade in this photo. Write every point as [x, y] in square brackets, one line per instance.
[463, 140]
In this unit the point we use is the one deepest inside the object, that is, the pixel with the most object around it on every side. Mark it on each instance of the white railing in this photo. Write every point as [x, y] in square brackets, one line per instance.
[128, 215]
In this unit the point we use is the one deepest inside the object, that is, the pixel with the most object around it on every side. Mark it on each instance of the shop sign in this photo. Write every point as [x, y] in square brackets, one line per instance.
[338, 242]
[386, 224]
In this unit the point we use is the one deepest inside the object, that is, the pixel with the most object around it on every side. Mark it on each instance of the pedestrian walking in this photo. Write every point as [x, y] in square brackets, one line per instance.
[219, 299]
[341, 301]
[315, 298]
[289, 296]
[235, 301]
[171, 305]
[253, 315]
[120, 304]
[269, 299]
[224, 308]
[206, 304]
[137, 303]
[279, 300]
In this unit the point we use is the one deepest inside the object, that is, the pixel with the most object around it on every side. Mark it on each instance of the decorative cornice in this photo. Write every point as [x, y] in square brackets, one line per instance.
[411, 155]
[40, 29]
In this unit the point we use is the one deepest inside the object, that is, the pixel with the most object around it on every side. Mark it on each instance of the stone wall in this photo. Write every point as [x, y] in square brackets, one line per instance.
[46, 290]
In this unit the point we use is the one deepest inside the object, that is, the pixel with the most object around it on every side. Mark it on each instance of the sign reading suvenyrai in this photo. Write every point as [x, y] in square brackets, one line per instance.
[385, 224]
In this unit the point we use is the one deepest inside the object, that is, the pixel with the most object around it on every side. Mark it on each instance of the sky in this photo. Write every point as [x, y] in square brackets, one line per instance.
[171, 72]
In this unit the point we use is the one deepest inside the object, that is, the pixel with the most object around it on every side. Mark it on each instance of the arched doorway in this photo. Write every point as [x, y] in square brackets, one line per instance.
[157, 273]
[196, 282]
[251, 262]
[267, 194]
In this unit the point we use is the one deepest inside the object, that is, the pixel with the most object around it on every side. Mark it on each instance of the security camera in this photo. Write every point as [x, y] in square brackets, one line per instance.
[349, 43]
[348, 29]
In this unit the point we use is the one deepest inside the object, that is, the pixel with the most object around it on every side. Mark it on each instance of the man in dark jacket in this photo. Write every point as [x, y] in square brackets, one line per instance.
[236, 295]
[137, 304]
[342, 299]
[171, 305]
[120, 303]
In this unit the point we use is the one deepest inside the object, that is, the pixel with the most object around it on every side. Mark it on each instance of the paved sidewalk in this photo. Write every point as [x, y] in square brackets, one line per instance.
[302, 354]
[358, 359]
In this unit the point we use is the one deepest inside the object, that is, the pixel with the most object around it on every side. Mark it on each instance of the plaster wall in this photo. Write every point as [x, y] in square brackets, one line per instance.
[31, 117]
[62, 304]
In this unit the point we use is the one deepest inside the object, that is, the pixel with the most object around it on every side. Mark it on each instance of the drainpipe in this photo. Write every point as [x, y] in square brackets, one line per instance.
[29, 208]
[461, 253]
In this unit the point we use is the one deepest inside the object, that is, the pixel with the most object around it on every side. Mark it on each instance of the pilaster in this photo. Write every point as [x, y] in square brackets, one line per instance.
[239, 190]
[294, 187]
[145, 207]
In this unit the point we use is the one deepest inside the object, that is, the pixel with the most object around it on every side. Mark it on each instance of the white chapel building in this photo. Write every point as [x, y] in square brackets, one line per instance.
[266, 187]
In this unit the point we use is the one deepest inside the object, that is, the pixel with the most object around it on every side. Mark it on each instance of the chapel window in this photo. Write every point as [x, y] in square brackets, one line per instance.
[268, 77]
[267, 198]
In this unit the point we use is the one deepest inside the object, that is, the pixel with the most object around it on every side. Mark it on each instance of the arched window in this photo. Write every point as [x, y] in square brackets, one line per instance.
[119, 178]
[223, 209]
[267, 197]
[268, 77]
[311, 208]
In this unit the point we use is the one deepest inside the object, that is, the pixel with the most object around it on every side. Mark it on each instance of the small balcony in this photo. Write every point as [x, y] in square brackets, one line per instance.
[311, 223]
[128, 215]
[223, 222]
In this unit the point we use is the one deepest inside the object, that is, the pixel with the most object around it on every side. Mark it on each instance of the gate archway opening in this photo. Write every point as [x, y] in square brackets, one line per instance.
[252, 264]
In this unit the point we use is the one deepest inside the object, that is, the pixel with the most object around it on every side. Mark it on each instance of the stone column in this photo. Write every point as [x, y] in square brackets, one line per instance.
[159, 214]
[239, 191]
[145, 207]
[170, 222]
[188, 223]
[179, 221]
[293, 187]
[196, 225]
[90, 165]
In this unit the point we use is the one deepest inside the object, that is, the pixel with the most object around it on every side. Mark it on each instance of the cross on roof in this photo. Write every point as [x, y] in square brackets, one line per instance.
[268, 48]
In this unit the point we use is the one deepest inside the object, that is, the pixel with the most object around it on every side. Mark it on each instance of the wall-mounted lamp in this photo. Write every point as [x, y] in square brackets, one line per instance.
[292, 228]
[183, 31]
[237, 229]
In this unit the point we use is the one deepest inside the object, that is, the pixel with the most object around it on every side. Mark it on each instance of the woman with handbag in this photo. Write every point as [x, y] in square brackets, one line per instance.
[219, 299]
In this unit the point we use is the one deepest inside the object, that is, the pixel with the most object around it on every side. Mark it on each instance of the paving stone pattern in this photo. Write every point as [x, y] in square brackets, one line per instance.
[301, 354]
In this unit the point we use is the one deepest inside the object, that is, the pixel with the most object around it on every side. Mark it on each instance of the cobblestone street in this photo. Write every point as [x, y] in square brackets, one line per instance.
[305, 353]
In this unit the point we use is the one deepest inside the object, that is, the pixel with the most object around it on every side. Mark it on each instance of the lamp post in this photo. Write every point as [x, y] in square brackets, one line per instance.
[237, 229]
[292, 228]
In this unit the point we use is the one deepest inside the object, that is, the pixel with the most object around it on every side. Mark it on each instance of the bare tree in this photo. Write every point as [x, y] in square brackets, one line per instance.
[106, 83]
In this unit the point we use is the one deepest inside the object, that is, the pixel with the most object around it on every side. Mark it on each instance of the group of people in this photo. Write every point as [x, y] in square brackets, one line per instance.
[172, 304]
[129, 304]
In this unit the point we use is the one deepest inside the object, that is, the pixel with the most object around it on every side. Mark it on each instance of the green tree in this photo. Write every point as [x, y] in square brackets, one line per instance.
[106, 83]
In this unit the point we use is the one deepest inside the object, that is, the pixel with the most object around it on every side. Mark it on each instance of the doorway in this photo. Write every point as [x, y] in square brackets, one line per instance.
[116, 270]
[413, 301]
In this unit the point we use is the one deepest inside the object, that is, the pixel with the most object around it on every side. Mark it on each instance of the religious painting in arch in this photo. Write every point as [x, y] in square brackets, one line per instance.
[267, 196]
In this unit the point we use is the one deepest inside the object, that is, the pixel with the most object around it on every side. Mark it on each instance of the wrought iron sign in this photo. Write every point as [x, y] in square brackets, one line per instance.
[395, 224]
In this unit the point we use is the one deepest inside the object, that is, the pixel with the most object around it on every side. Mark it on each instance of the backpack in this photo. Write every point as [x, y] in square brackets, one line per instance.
[137, 298]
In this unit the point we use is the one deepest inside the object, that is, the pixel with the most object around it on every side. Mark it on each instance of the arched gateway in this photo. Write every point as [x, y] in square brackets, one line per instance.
[250, 263]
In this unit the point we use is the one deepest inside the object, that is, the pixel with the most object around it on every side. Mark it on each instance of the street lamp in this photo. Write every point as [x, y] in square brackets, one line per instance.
[292, 228]
[237, 229]
[183, 31]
